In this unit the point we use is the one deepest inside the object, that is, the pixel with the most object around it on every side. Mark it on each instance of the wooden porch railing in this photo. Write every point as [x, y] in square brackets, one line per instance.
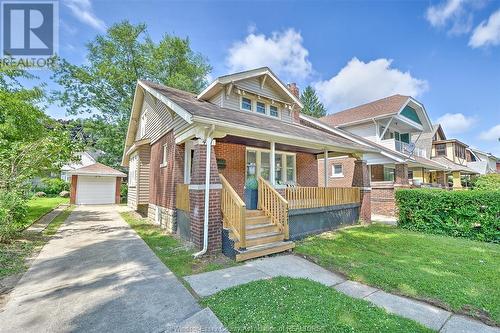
[273, 205]
[233, 211]
[182, 197]
[312, 197]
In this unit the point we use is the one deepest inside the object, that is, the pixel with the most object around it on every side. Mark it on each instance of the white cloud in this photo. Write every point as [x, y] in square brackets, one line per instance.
[456, 122]
[283, 52]
[82, 10]
[487, 32]
[359, 82]
[491, 134]
[439, 15]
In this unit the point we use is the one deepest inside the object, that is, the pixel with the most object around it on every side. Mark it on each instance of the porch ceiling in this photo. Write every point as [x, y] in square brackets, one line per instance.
[266, 144]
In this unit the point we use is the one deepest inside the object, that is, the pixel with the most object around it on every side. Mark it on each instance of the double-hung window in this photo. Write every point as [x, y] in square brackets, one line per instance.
[441, 149]
[164, 160]
[273, 111]
[246, 103]
[144, 119]
[132, 172]
[261, 107]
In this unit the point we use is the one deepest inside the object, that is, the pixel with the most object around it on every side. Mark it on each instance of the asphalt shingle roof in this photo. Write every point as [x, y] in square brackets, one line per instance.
[97, 169]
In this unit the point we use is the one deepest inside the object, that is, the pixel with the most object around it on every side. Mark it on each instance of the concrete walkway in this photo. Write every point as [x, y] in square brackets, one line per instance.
[45, 220]
[206, 284]
[97, 275]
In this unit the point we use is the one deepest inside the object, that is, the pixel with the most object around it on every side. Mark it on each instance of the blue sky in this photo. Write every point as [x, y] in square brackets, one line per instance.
[445, 53]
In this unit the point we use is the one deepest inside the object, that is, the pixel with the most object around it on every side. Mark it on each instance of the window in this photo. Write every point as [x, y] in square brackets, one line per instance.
[337, 170]
[246, 103]
[64, 176]
[440, 149]
[261, 107]
[388, 174]
[258, 162]
[273, 111]
[459, 151]
[165, 155]
[410, 174]
[143, 124]
[132, 172]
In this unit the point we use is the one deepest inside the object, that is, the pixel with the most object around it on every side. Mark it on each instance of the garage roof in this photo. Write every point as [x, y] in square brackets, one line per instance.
[97, 169]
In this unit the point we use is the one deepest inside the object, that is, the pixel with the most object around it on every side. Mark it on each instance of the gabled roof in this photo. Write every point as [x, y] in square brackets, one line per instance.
[452, 165]
[204, 111]
[383, 107]
[97, 169]
[257, 72]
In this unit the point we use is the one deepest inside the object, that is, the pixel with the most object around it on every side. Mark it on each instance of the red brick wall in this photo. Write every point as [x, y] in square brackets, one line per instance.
[307, 169]
[382, 199]
[117, 189]
[234, 155]
[348, 171]
[72, 192]
[163, 179]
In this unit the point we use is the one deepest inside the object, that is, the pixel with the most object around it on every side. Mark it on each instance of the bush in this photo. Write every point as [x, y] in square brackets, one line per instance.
[487, 182]
[471, 214]
[123, 192]
[13, 211]
[53, 186]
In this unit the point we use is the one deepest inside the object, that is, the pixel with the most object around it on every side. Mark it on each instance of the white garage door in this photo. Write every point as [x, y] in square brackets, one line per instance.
[95, 190]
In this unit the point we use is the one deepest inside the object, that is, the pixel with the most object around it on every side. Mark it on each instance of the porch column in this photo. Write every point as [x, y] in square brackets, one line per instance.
[361, 179]
[197, 200]
[272, 166]
[457, 180]
[401, 175]
[325, 168]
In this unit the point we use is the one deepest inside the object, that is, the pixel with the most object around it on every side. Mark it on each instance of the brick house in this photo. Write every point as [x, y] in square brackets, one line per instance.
[190, 156]
[393, 126]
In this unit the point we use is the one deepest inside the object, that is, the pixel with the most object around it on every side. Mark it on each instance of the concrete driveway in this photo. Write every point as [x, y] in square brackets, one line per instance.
[97, 275]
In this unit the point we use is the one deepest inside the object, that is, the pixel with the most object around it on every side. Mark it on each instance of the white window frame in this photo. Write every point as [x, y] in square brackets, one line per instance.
[283, 160]
[132, 172]
[277, 116]
[337, 175]
[257, 105]
[144, 119]
[164, 156]
[251, 104]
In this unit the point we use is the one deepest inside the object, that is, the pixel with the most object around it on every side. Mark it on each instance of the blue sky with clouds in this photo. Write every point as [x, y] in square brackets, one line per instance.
[445, 53]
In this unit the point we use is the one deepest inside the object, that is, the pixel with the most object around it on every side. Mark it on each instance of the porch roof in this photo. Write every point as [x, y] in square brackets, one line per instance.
[453, 166]
[206, 112]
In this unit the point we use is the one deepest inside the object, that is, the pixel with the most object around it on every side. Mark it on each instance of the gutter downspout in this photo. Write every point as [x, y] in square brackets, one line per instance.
[208, 143]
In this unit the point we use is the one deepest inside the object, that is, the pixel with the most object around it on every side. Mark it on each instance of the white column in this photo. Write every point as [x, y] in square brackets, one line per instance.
[325, 168]
[272, 162]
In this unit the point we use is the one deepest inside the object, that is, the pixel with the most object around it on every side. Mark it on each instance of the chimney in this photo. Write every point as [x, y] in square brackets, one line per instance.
[294, 89]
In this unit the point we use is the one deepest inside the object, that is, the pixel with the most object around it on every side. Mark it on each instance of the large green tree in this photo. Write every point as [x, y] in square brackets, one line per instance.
[312, 106]
[103, 87]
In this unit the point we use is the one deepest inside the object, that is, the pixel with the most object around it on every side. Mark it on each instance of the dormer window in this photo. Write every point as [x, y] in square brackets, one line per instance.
[273, 111]
[246, 104]
[261, 107]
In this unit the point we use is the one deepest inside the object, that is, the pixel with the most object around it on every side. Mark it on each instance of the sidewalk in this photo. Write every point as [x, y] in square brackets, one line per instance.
[438, 319]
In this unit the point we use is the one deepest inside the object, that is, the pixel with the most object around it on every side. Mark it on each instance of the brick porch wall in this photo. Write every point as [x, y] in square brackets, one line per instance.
[234, 172]
[347, 168]
[307, 169]
[383, 198]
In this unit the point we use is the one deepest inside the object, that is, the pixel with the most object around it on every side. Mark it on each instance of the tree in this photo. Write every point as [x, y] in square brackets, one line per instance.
[312, 106]
[104, 87]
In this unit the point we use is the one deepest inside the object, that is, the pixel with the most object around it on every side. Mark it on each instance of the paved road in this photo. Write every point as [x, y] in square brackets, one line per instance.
[97, 275]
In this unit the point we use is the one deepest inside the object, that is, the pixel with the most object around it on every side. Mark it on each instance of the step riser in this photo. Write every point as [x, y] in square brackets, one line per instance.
[262, 240]
[263, 229]
[257, 220]
[265, 252]
[254, 213]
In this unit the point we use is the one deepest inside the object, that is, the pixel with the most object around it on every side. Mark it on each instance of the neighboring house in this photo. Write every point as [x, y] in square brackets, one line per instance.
[393, 125]
[451, 153]
[482, 162]
[82, 159]
[241, 126]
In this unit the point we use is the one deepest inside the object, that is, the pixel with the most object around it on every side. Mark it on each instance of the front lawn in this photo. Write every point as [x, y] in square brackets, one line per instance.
[37, 207]
[456, 273]
[299, 305]
[175, 255]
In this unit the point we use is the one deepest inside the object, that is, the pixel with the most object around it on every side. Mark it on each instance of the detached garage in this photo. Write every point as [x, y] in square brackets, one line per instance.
[95, 184]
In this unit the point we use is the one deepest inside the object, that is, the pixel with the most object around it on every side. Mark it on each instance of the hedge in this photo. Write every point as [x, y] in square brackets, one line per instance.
[471, 214]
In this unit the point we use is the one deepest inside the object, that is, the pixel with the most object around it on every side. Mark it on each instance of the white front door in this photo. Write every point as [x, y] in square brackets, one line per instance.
[95, 190]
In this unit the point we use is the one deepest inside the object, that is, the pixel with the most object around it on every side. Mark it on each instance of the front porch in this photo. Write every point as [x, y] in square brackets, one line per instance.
[289, 205]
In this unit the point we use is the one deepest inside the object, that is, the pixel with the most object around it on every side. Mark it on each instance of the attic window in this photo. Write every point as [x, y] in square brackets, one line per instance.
[246, 104]
[273, 111]
[261, 107]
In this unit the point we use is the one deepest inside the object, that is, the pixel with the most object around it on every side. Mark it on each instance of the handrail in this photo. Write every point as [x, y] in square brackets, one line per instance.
[273, 205]
[233, 212]
[313, 197]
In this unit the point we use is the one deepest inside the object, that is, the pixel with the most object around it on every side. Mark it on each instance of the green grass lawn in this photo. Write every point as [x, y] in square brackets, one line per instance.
[298, 305]
[459, 274]
[176, 256]
[13, 255]
[37, 207]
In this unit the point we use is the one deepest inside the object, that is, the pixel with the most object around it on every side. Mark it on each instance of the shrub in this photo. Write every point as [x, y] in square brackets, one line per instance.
[471, 214]
[123, 192]
[54, 186]
[487, 182]
[13, 210]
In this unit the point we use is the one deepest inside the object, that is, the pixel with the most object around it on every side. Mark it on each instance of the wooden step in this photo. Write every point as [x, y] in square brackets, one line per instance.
[253, 213]
[257, 220]
[264, 238]
[264, 250]
[253, 229]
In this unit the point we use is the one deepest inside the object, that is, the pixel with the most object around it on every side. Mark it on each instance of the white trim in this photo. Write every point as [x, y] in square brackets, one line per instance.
[283, 160]
[241, 103]
[337, 175]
